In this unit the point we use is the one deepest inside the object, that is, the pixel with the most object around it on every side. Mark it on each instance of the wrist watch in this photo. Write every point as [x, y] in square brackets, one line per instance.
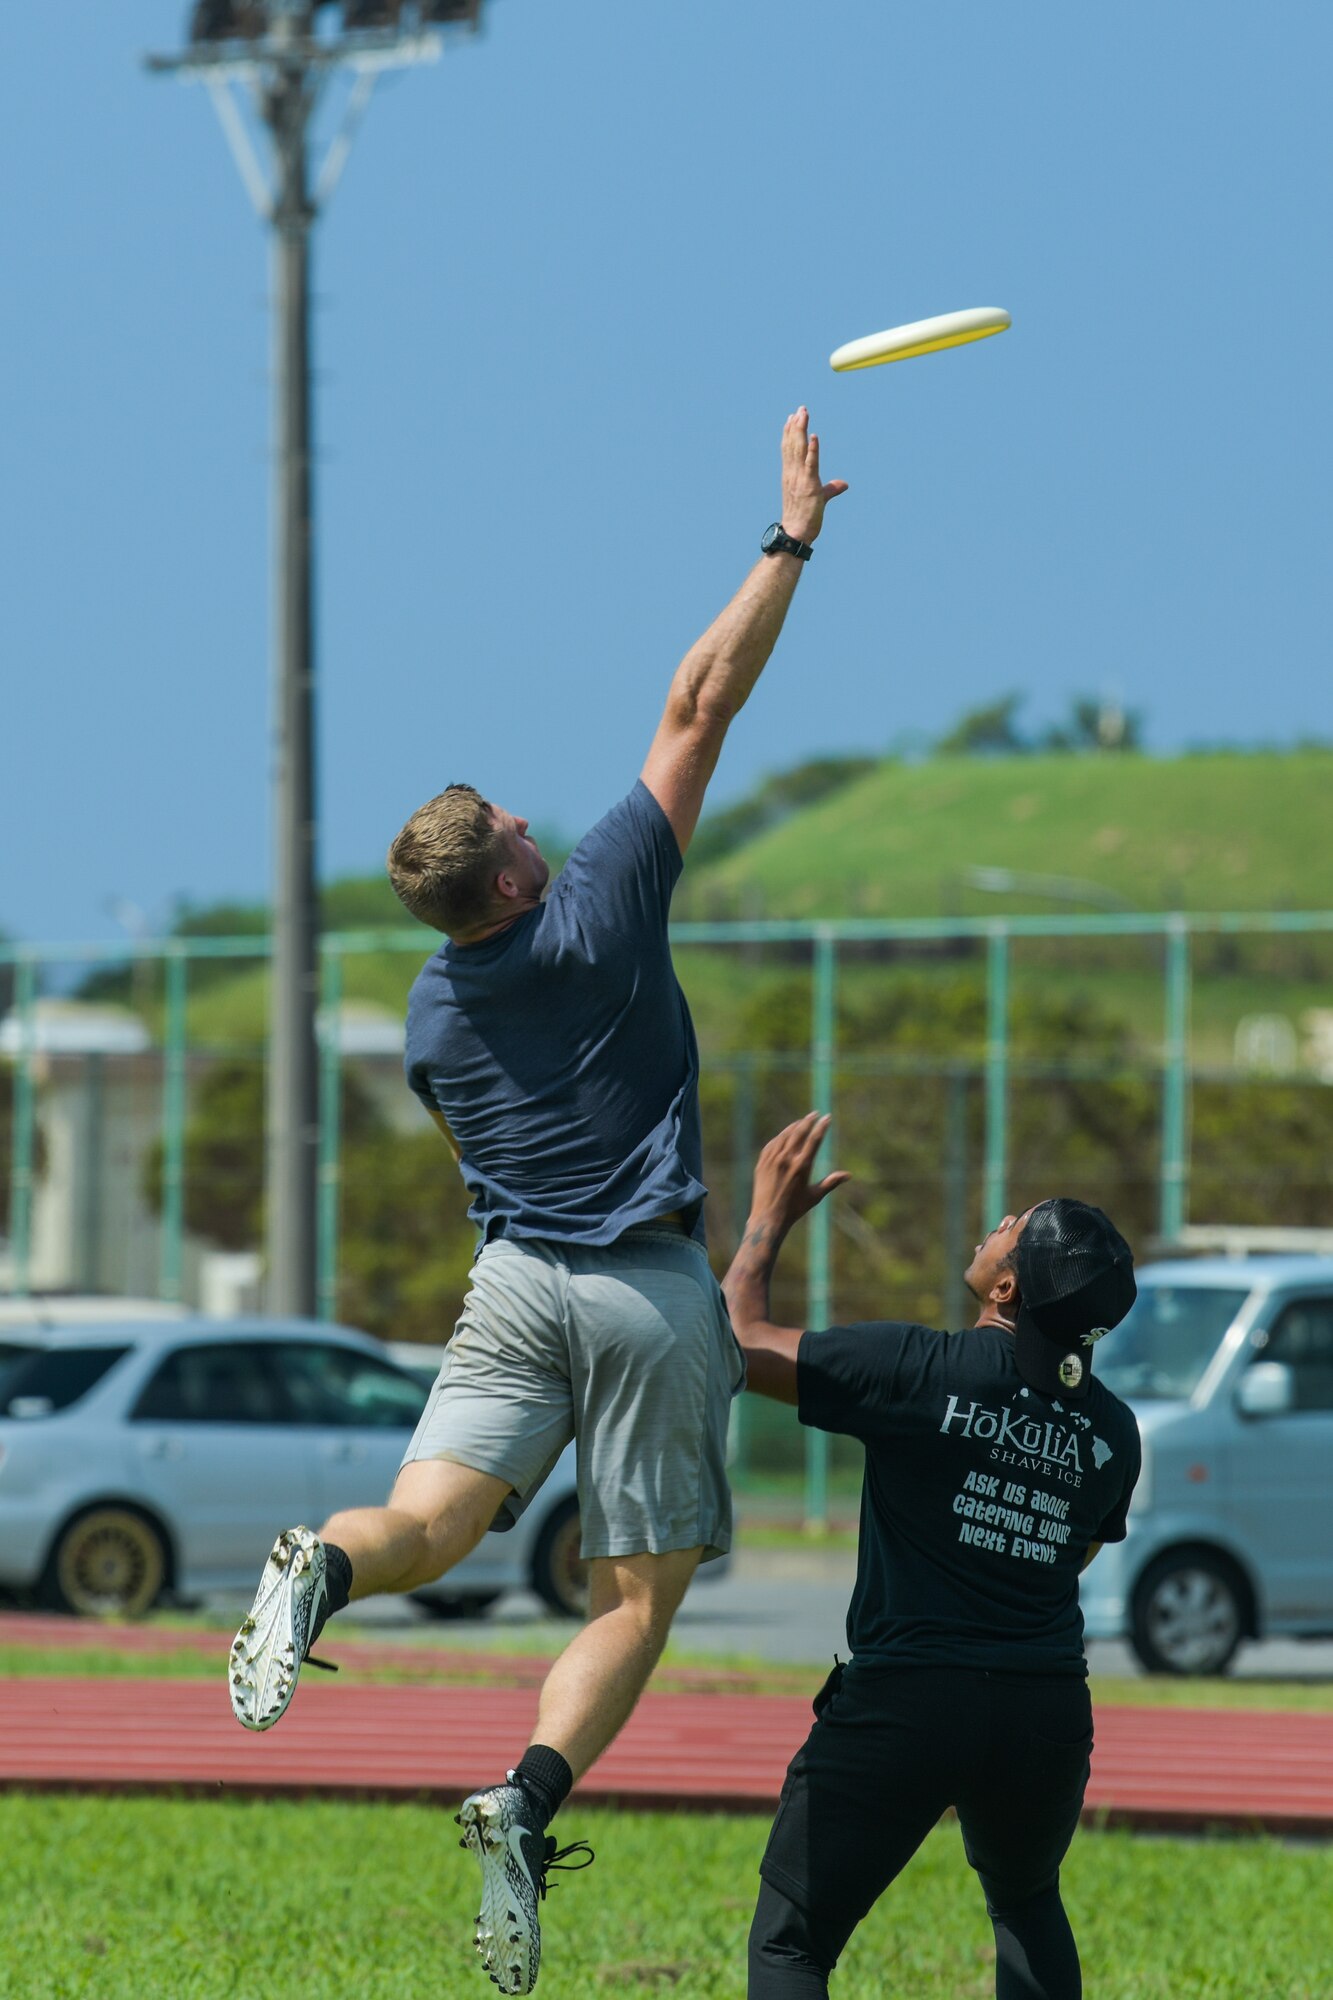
[777, 542]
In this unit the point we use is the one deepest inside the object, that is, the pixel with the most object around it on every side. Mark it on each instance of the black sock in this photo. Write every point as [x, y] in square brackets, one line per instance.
[546, 1778]
[338, 1584]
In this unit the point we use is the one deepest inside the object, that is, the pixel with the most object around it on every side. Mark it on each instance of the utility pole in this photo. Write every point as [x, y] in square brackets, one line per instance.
[271, 50]
[292, 1111]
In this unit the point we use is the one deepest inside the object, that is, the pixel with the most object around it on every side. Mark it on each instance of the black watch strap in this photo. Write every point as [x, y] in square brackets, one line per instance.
[777, 542]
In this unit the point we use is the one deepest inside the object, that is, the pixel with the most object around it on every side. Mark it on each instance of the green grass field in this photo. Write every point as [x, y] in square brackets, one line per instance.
[124, 1899]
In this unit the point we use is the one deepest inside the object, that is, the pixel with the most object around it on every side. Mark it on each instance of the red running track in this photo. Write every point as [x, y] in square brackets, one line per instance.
[1176, 1769]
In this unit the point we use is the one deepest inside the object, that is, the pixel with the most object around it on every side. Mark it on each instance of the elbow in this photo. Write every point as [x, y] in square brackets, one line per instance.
[714, 713]
[770, 1375]
[700, 712]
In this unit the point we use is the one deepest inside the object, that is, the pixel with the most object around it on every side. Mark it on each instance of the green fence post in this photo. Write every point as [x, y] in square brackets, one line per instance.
[23, 1133]
[954, 1293]
[818, 1303]
[1172, 1204]
[330, 1129]
[173, 1126]
[997, 1074]
[742, 1161]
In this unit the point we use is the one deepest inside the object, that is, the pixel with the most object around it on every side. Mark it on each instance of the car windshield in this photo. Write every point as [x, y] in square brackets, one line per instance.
[1160, 1349]
[39, 1381]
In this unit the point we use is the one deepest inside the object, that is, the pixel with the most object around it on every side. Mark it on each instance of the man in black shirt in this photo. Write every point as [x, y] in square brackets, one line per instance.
[996, 1466]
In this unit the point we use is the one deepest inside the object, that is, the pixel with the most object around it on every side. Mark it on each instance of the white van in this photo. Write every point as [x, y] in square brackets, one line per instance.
[1227, 1362]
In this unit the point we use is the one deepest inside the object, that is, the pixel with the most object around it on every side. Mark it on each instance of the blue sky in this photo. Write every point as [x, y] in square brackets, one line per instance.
[572, 282]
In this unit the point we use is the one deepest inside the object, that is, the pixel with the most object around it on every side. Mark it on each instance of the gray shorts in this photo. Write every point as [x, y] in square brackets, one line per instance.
[626, 1347]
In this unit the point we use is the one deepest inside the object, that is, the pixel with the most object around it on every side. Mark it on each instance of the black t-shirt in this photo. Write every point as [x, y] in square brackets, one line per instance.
[981, 1495]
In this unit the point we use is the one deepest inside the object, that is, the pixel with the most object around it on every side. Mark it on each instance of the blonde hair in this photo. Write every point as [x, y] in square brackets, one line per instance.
[444, 862]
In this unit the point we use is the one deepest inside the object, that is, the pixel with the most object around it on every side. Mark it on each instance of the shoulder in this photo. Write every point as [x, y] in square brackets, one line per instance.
[620, 877]
[427, 1004]
[868, 1347]
[863, 1334]
[1109, 1409]
[430, 982]
[988, 1349]
[1113, 1418]
[648, 812]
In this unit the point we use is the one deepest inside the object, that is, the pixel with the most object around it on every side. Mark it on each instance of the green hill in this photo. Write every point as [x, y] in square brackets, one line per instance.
[1225, 830]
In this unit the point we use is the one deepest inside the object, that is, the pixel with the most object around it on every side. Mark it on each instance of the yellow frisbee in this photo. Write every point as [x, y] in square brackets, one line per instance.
[920, 336]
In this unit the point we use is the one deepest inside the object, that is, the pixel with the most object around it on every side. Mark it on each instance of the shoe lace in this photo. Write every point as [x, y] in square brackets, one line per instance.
[558, 1858]
[317, 1624]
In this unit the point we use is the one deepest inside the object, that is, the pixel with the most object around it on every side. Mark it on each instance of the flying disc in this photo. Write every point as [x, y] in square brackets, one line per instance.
[920, 336]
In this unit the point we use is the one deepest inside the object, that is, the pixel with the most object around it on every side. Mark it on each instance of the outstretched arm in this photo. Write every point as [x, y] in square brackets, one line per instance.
[782, 1193]
[714, 680]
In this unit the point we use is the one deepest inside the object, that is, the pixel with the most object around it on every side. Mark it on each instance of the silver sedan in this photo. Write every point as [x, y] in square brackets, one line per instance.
[143, 1459]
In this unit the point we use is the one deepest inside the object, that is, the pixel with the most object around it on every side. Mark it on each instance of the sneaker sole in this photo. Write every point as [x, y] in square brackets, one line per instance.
[263, 1667]
[509, 1945]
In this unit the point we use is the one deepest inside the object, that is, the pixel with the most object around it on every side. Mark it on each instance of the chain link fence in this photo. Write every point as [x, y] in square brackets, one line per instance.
[1169, 1067]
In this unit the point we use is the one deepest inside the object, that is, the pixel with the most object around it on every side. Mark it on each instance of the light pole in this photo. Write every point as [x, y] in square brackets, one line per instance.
[281, 54]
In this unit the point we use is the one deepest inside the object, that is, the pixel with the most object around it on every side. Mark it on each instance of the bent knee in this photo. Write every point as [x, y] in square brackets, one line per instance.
[437, 1490]
[1006, 1900]
[647, 1587]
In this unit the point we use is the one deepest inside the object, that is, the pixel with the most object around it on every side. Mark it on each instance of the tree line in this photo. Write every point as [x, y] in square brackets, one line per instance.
[909, 1106]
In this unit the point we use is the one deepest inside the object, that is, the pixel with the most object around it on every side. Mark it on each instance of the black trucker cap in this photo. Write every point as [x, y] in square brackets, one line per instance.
[1076, 1281]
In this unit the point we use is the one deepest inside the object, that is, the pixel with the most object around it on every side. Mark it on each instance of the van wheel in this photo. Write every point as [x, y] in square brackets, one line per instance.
[1189, 1614]
[109, 1562]
[470, 1604]
[559, 1573]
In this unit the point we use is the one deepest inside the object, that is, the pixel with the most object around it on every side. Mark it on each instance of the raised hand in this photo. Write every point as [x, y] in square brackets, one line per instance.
[782, 1187]
[804, 494]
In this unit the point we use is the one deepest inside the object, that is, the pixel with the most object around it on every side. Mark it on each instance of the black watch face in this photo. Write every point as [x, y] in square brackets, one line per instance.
[772, 536]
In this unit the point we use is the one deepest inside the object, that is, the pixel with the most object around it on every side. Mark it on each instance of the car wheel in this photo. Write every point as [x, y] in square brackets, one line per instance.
[559, 1573]
[471, 1604]
[1189, 1614]
[110, 1562]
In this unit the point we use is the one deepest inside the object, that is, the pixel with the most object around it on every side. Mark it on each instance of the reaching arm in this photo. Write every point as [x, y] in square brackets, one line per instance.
[715, 679]
[782, 1193]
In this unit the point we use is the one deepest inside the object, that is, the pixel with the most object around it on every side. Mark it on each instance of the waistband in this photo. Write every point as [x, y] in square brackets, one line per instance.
[664, 1229]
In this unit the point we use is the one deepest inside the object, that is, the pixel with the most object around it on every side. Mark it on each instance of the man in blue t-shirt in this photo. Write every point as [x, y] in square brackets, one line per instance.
[996, 1466]
[551, 1043]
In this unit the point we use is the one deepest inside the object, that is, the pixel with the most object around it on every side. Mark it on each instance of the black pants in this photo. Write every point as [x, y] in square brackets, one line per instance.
[890, 1750]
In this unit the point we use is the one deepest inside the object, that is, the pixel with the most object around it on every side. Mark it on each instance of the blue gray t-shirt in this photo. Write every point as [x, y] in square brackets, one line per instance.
[561, 1050]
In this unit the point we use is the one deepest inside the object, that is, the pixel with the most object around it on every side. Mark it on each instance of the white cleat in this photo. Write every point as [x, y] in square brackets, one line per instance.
[515, 1852]
[267, 1652]
[499, 1829]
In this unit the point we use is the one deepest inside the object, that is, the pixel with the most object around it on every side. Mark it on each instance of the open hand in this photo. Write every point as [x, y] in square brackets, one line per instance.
[804, 494]
[782, 1188]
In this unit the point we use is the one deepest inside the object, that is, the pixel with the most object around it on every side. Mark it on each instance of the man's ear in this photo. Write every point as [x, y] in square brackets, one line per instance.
[505, 887]
[1004, 1292]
